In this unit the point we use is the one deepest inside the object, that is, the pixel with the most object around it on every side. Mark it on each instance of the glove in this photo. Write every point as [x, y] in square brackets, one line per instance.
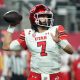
[12, 17]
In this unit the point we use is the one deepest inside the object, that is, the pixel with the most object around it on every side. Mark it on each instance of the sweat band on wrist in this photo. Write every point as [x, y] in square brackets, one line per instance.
[63, 43]
[11, 29]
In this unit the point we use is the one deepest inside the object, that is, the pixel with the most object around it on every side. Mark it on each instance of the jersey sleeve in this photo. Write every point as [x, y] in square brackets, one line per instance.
[63, 34]
[22, 41]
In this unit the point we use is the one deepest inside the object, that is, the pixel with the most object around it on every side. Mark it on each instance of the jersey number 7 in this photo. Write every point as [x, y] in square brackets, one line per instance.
[43, 48]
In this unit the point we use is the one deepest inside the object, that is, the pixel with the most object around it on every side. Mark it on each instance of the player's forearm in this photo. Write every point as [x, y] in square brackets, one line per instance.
[7, 40]
[68, 49]
[65, 45]
[13, 21]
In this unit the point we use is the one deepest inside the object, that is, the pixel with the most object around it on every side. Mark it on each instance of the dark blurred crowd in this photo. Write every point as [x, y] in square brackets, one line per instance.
[14, 65]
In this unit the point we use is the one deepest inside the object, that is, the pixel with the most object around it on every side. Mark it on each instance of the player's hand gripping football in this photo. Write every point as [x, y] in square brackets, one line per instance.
[56, 37]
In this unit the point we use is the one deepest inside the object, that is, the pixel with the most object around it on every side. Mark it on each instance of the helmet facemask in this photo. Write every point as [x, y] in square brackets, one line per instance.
[46, 23]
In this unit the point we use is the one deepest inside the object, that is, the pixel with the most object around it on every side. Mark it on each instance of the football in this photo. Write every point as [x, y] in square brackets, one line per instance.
[12, 17]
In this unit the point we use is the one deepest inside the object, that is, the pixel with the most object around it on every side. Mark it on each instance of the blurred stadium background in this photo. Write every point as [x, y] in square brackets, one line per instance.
[66, 13]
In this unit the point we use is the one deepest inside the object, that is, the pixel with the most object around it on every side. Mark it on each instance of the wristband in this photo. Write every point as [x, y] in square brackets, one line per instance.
[63, 43]
[11, 29]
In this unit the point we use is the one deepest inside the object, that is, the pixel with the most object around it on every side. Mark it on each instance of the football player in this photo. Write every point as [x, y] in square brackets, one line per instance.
[44, 41]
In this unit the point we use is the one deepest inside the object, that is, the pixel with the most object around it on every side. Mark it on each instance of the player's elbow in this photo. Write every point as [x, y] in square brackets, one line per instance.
[6, 48]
